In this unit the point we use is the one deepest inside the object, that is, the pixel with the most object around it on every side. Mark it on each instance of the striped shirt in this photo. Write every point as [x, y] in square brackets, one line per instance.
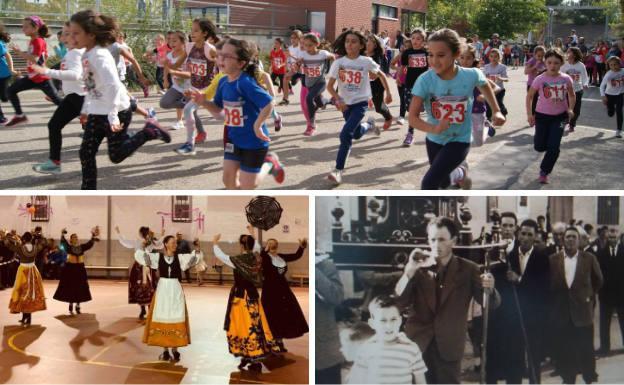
[387, 363]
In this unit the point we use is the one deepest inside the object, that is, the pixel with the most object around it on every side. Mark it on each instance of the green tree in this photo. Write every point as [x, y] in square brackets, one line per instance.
[455, 14]
[509, 17]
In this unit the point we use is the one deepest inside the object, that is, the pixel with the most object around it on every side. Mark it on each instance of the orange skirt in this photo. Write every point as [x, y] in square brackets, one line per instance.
[28, 295]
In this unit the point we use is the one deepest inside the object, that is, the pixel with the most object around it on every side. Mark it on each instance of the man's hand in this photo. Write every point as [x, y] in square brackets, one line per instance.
[513, 277]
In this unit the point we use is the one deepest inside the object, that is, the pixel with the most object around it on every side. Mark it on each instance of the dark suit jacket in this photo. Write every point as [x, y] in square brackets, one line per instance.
[576, 302]
[533, 287]
[448, 323]
[613, 273]
[330, 294]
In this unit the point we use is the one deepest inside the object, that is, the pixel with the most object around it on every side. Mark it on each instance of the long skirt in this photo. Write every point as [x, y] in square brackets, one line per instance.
[283, 312]
[73, 285]
[27, 295]
[167, 322]
[248, 333]
[141, 284]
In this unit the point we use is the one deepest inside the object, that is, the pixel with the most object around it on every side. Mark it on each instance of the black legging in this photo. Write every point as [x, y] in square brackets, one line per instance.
[120, 144]
[160, 76]
[378, 99]
[23, 84]
[577, 108]
[443, 160]
[403, 105]
[4, 85]
[614, 107]
[500, 98]
[68, 110]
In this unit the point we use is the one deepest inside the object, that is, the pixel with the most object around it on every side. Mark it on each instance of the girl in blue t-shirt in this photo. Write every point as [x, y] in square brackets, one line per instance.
[245, 106]
[6, 69]
[446, 91]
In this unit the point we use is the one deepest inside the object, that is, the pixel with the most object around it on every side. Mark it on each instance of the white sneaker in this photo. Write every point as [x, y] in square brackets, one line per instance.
[335, 176]
[375, 127]
[161, 92]
[177, 125]
[400, 121]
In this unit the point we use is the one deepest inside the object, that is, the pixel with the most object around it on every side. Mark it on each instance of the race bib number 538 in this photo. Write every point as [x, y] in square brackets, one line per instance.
[234, 116]
[452, 110]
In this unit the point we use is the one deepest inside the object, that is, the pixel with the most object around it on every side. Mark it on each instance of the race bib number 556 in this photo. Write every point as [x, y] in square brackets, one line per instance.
[451, 109]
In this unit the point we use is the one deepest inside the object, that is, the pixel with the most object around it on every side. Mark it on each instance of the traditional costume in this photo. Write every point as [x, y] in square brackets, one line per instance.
[143, 279]
[167, 322]
[73, 285]
[248, 333]
[282, 309]
[28, 295]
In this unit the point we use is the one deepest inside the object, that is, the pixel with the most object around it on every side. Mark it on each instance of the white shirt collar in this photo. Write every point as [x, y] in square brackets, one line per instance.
[565, 255]
[528, 253]
[277, 261]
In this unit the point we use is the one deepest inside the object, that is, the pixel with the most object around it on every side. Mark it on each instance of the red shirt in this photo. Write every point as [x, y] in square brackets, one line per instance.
[278, 61]
[38, 48]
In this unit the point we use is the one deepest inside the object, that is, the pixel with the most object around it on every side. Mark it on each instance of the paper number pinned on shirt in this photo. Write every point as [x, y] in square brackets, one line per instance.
[351, 76]
[618, 82]
[556, 92]
[453, 111]
[234, 116]
[312, 71]
[198, 67]
[417, 61]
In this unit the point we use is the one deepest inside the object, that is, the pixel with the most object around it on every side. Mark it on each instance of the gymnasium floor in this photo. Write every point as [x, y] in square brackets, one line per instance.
[103, 344]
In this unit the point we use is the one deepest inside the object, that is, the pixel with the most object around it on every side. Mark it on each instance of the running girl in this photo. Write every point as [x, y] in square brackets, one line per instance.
[401, 76]
[555, 106]
[200, 63]
[278, 63]
[447, 92]
[612, 91]
[174, 97]
[6, 69]
[314, 64]
[416, 64]
[577, 71]
[70, 73]
[245, 106]
[534, 67]
[375, 50]
[37, 31]
[106, 109]
[351, 98]
[497, 72]
[292, 71]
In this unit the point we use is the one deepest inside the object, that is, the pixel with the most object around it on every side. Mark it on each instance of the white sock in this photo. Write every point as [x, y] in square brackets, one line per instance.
[457, 175]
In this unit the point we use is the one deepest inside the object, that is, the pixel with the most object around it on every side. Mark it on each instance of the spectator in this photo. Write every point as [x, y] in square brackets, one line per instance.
[183, 247]
[399, 39]
[582, 46]
[478, 46]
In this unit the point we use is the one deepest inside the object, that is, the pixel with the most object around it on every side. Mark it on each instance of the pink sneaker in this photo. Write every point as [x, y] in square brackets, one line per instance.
[387, 124]
[543, 179]
[278, 169]
[309, 131]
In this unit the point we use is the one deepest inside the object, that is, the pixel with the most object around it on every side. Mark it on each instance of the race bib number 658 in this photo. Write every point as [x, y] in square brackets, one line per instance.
[234, 116]
[452, 110]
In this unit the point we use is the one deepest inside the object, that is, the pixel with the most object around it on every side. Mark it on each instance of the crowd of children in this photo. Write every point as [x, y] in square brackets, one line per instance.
[224, 75]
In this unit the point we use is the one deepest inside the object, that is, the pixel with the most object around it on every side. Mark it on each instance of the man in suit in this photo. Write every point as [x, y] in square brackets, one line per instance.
[509, 226]
[575, 278]
[329, 294]
[529, 273]
[437, 299]
[611, 260]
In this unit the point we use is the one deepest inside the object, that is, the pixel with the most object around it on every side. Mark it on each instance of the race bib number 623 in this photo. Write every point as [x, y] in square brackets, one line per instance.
[453, 111]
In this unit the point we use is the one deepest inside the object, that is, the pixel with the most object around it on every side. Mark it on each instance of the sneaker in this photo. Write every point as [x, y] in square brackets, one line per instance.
[200, 137]
[177, 125]
[571, 128]
[278, 169]
[309, 131]
[466, 182]
[154, 131]
[491, 129]
[409, 139]
[3, 120]
[278, 123]
[387, 124]
[151, 113]
[376, 129]
[400, 120]
[161, 92]
[186, 149]
[618, 134]
[335, 176]
[543, 178]
[16, 120]
[47, 167]
[284, 102]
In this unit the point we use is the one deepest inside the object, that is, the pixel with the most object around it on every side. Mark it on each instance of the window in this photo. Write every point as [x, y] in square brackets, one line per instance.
[182, 208]
[385, 11]
[608, 210]
[217, 15]
[41, 204]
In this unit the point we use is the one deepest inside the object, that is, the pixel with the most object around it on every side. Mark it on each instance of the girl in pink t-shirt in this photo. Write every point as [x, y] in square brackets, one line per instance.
[555, 106]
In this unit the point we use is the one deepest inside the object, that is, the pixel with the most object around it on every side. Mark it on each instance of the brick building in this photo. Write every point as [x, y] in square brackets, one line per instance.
[328, 17]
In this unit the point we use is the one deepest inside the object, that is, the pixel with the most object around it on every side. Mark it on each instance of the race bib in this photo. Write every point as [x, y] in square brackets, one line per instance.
[417, 61]
[234, 116]
[277, 62]
[312, 70]
[351, 77]
[451, 108]
[492, 78]
[555, 92]
[198, 67]
[618, 82]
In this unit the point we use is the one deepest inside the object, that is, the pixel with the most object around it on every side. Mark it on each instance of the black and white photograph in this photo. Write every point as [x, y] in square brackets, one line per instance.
[479, 289]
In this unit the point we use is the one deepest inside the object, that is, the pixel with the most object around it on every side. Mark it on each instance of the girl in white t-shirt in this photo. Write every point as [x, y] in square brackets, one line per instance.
[577, 71]
[174, 97]
[351, 98]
